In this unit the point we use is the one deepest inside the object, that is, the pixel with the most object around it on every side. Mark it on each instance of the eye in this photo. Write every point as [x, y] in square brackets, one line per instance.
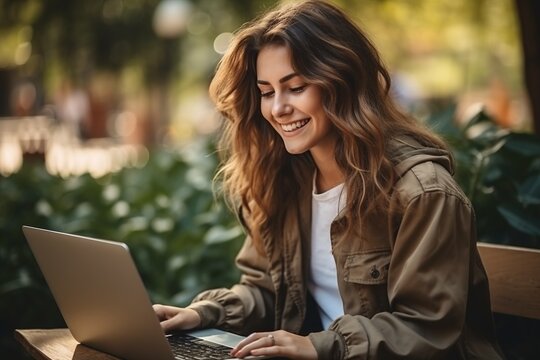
[266, 93]
[298, 89]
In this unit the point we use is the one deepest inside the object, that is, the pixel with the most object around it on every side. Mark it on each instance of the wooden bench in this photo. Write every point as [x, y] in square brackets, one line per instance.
[514, 279]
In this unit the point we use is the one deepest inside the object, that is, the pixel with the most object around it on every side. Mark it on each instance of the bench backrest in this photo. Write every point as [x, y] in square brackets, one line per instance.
[514, 279]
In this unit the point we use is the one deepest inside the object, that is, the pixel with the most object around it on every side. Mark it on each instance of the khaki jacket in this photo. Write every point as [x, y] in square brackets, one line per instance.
[412, 287]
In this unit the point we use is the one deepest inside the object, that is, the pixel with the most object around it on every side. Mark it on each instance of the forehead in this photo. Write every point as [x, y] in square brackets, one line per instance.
[274, 62]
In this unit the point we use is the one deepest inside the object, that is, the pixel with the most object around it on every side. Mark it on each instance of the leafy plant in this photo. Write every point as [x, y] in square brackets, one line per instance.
[182, 238]
[500, 172]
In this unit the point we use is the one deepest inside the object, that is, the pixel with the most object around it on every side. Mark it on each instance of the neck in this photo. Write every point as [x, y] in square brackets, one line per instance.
[329, 174]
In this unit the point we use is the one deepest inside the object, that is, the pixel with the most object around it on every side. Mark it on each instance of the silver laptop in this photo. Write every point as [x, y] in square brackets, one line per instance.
[103, 300]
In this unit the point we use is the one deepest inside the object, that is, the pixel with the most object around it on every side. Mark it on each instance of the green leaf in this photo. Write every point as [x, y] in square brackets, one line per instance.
[524, 144]
[478, 118]
[529, 191]
[444, 123]
[535, 166]
[219, 234]
[520, 219]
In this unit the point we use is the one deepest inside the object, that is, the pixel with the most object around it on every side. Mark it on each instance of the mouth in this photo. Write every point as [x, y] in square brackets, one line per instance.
[294, 126]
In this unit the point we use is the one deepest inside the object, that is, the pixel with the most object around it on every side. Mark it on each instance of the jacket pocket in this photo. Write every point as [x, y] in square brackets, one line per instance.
[367, 268]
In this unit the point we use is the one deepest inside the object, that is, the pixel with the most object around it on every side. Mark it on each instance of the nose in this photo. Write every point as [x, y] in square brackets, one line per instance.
[281, 107]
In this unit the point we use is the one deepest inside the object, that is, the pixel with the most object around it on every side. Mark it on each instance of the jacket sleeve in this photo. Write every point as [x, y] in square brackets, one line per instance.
[246, 306]
[427, 288]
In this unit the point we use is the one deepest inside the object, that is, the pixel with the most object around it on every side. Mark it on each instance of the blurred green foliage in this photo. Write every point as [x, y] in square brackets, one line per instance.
[499, 170]
[183, 240]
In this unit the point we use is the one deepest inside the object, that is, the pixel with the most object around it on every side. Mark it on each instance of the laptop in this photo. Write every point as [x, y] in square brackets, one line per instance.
[105, 305]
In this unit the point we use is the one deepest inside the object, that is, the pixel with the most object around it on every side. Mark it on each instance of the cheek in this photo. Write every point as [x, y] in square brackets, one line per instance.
[312, 102]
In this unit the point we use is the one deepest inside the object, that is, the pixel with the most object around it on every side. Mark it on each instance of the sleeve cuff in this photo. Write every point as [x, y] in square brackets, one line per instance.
[212, 314]
[328, 344]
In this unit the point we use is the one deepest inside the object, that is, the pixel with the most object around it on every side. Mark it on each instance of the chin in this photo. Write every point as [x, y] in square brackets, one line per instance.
[295, 150]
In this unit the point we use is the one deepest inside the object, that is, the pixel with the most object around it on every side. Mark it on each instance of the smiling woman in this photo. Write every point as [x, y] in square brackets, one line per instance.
[359, 244]
[293, 106]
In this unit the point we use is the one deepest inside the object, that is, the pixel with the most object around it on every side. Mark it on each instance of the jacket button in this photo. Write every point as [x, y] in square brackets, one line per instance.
[374, 272]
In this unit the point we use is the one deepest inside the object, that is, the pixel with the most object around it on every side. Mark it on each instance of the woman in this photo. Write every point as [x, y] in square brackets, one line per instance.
[360, 243]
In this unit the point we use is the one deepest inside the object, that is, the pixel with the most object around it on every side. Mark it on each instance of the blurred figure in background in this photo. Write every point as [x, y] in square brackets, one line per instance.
[73, 108]
[24, 99]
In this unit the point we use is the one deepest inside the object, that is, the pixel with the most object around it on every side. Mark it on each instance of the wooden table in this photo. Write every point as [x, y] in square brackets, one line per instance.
[57, 344]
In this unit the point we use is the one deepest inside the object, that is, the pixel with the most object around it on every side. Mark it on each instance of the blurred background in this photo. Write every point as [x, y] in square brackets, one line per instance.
[106, 130]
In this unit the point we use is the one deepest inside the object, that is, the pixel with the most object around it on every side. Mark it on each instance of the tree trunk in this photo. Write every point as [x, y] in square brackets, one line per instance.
[528, 11]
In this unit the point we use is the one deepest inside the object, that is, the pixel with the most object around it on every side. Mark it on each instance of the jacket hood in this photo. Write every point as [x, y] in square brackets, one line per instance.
[407, 152]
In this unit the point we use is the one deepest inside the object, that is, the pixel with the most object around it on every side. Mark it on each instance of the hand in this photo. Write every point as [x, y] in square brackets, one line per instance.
[276, 343]
[175, 318]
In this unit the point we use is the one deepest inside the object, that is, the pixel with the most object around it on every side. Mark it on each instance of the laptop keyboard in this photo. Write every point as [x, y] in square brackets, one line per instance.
[186, 347]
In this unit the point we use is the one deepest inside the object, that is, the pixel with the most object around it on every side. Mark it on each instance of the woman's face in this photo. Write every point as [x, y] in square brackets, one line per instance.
[291, 105]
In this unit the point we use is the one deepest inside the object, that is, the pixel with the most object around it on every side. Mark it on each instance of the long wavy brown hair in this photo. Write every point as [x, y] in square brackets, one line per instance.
[330, 51]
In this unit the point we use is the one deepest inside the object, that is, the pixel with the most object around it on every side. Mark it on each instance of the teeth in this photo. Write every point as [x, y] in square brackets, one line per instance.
[293, 126]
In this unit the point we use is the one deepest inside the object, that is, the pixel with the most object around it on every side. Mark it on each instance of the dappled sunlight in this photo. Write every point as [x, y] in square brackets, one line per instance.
[153, 88]
[63, 152]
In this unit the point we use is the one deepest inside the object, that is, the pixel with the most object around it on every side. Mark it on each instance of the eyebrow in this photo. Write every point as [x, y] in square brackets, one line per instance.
[282, 80]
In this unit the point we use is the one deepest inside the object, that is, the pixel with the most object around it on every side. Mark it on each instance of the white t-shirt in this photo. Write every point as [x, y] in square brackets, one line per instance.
[323, 284]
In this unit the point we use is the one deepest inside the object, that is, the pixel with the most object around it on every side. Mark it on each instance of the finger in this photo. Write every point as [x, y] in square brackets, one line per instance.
[289, 346]
[248, 340]
[168, 325]
[159, 310]
[252, 342]
[249, 348]
[181, 319]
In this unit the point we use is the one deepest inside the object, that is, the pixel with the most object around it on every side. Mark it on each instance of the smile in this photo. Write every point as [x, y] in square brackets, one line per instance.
[294, 126]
